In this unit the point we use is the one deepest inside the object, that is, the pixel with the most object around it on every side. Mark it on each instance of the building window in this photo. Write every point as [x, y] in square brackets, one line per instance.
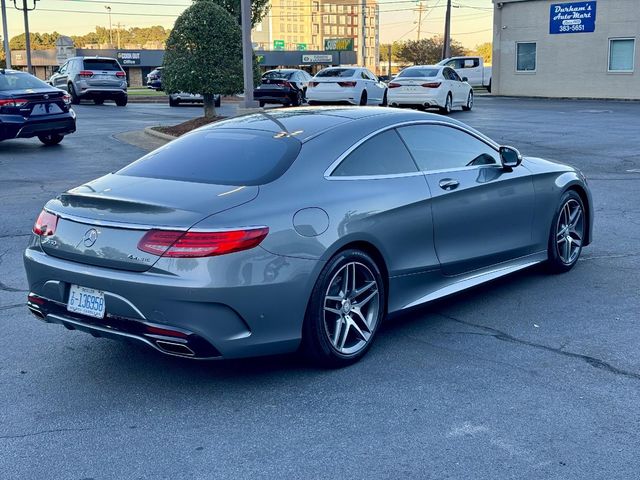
[316, 6]
[526, 57]
[621, 54]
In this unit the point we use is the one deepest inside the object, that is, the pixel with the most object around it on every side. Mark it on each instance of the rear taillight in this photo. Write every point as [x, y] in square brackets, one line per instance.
[67, 99]
[284, 83]
[394, 85]
[45, 224]
[176, 244]
[13, 102]
[121, 74]
[86, 74]
[347, 84]
[313, 84]
[431, 85]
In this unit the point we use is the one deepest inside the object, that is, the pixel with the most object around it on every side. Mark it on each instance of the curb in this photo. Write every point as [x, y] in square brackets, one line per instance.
[162, 136]
[145, 99]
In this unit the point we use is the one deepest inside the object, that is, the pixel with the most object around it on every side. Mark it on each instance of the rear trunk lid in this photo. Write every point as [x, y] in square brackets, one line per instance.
[34, 102]
[104, 73]
[101, 223]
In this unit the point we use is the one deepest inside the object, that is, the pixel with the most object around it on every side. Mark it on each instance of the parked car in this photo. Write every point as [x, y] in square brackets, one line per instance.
[285, 86]
[304, 227]
[472, 68]
[426, 86]
[154, 79]
[351, 85]
[175, 99]
[31, 108]
[92, 78]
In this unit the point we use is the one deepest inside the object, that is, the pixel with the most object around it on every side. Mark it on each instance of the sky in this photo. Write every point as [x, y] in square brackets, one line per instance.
[471, 22]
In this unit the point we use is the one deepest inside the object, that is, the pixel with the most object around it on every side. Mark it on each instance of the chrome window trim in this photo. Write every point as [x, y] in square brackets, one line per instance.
[328, 173]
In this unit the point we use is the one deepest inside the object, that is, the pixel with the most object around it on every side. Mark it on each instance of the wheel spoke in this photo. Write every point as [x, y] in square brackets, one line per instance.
[367, 300]
[361, 290]
[567, 251]
[577, 242]
[575, 216]
[357, 329]
[345, 334]
[357, 313]
[334, 298]
[345, 281]
[336, 333]
[333, 310]
[353, 277]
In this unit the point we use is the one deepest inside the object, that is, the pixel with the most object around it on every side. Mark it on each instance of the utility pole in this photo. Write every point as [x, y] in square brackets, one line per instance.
[390, 53]
[119, 26]
[446, 48]
[247, 53]
[419, 19]
[363, 46]
[27, 36]
[5, 34]
[108, 9]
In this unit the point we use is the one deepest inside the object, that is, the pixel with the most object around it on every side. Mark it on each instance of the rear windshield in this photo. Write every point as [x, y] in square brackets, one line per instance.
[220, 156]
[337, 72]
[19, 81]
[276, 75]
[101, 64]
[419, 72]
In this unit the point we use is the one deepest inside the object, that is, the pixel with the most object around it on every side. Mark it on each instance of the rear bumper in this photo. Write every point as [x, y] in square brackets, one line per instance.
[104, 93]
[248, 304]
[435, 99]
[349, 96]
[16, 126]
[274, 96]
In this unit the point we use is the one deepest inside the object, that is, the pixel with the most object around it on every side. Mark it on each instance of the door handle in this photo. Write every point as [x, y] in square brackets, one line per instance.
[449, 184]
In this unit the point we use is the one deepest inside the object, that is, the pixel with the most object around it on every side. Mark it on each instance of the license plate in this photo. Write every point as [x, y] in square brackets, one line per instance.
[86, 301]
[45, 109]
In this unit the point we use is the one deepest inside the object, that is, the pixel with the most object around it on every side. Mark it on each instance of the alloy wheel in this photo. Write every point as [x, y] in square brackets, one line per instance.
[351, 308]
[570, 231]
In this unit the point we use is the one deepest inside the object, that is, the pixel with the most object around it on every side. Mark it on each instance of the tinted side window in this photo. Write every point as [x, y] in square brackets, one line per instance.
[436, 147]
[221, 156]
[384, 154]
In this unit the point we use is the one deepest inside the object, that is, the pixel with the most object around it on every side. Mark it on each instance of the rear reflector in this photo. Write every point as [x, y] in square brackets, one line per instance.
[165, 331]
[45, 224]
[176, 244]
[347, 84]
[394, 85]
[37, 300]
[431, 85]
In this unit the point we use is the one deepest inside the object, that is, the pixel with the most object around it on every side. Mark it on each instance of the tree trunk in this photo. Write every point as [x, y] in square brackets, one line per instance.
[209, 105]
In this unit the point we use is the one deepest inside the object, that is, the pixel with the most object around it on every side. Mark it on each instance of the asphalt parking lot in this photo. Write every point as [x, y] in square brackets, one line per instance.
[532, 376]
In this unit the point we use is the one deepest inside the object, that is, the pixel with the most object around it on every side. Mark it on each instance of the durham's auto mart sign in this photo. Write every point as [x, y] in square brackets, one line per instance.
[574, 17]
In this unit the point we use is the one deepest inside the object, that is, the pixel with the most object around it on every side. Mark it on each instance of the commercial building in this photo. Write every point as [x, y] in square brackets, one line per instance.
[317, 24]
[586, 49]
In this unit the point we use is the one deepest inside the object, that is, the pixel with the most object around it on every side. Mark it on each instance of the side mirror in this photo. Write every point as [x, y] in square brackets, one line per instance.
[510, 157]
[56, 69]
[465, 79]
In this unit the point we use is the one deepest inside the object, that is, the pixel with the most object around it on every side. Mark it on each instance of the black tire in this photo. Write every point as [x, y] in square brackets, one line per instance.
[469, 104]
[75, 99]
[261, 103]
[218, 102]
[446, 110]
[98, 101]
[312, 103]
[385, 101]
[121, 102]
[489, 87]
[316, 342]
[363, 98]
[575, 230]
[297, 100]
[51, 139]
[173, 103]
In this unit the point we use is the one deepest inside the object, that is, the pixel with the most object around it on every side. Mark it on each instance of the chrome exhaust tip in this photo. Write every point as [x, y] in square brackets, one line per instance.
[36, 312]
[175, 348]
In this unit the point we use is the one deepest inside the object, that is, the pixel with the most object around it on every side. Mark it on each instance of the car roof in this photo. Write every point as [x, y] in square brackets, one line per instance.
[437, 67]
[305, 123]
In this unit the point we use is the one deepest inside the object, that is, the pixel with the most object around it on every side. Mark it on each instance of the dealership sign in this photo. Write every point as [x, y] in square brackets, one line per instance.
[338, 44]
[574, 17]
[317, 58]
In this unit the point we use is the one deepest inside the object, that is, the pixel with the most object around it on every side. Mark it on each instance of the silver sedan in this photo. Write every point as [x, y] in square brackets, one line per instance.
[300, 228]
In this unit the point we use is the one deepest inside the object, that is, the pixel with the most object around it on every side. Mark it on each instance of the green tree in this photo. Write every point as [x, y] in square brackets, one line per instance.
[204, 54]
[484, 50]
[259, 9]
[427, 51]
[39, 41]
[384, 51]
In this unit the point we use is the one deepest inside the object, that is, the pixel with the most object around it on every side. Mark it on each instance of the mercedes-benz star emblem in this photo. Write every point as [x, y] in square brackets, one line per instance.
[90, 237]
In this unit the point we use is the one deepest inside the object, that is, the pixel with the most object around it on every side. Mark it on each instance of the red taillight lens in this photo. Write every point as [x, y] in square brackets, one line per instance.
[67, 98]
[121, 74]
[431, 85]
[347, 84]
[313, 84]
[45, 224]
[175, 244]
[394, 85]
[86, 74]
[13, 102]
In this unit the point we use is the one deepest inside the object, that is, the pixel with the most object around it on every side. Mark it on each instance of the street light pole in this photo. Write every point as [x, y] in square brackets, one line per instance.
[247, 52]
[27, 37]
[108, 9]
[446, 48]
[5, 34]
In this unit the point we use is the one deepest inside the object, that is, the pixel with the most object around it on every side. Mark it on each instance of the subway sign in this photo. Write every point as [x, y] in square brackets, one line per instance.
[338, 44]
[573, 17]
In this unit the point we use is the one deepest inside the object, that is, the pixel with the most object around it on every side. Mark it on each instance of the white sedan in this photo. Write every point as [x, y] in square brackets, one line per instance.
[353, 85]
[425, 86]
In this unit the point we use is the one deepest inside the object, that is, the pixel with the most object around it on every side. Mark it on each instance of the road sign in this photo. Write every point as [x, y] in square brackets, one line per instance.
[278, 44]
[301, 46]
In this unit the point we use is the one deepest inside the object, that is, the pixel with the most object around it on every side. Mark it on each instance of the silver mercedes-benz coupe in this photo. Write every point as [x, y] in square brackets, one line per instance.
[303, 228]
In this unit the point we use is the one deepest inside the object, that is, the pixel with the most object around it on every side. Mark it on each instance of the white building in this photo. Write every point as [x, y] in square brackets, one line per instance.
[554, 48]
